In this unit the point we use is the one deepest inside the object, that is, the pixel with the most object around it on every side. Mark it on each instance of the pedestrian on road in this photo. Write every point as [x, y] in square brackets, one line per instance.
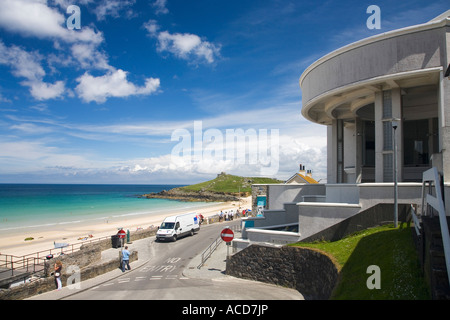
[125, 259]
[58, 267]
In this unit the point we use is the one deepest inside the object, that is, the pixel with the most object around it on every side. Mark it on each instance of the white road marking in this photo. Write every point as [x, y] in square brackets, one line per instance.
[107, 284]
[140, 278]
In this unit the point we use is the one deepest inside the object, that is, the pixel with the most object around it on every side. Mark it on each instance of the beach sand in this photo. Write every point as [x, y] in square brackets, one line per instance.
[13, 242]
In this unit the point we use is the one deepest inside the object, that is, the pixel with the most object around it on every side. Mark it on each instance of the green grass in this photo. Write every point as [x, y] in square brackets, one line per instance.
[227, 183]
[389, 248]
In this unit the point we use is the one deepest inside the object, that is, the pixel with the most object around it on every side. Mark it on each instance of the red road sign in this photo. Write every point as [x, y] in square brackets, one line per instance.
[121, 234]
[227, 235]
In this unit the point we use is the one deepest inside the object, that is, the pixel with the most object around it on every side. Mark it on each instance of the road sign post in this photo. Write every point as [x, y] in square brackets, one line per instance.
[227, 235]
[121, 234]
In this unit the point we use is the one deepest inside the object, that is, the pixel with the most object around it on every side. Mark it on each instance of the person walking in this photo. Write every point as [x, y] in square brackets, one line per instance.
[58, 268]
[125, 259]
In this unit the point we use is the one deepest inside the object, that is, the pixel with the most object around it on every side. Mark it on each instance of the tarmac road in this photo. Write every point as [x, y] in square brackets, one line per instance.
[170, 273]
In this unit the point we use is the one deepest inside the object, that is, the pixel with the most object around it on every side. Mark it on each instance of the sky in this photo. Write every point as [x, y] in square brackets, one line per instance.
[170, 91]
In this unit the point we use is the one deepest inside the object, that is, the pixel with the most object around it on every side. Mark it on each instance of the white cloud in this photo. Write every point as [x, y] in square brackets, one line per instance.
[27, 65]
[44, 91]
[160, 7]
[112, 84]
[299, 142]
[35, 18]
[25, 156]
[292, 151]
[24, 64]
[75, 48]
[89, 57]
[30, 128]
[185, 46]
[113, 8]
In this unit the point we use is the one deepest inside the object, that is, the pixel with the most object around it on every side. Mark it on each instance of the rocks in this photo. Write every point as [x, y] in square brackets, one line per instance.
[190, 196]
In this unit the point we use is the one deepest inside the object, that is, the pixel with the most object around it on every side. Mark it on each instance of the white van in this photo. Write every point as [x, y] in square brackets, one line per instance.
[177, 226]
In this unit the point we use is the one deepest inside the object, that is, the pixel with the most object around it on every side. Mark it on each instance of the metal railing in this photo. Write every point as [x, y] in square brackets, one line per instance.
[435, 201]
[209, 251]
[34, 262]
[213, 246]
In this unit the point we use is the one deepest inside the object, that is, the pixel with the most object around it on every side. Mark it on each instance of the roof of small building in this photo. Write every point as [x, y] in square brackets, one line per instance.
[303, 178]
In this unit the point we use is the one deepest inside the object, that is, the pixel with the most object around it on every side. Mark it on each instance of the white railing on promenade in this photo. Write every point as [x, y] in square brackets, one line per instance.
[431, 177]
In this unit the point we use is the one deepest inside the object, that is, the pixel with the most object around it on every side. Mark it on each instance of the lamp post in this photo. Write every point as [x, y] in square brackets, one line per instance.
[394, 126]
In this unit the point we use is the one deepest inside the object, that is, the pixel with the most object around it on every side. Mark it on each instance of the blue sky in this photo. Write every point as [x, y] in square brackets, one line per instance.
[101, 104]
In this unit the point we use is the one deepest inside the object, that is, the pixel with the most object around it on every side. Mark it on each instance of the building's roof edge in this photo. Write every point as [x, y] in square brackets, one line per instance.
[437, 22]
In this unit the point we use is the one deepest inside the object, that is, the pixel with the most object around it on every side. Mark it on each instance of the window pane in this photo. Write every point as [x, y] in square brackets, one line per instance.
[387, 104]
[415, 134]
[387, 136]
[388, 172]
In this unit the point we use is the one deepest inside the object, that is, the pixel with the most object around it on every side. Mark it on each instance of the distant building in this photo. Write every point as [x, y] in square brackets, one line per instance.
[301, 177]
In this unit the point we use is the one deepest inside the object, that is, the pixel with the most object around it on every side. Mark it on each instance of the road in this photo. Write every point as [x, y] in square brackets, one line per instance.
[162, 277]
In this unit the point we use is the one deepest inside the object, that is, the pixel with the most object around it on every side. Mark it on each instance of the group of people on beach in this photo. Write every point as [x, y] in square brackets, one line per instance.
[229, 215]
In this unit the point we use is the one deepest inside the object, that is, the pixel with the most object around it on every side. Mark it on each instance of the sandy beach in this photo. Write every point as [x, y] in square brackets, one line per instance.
[13, 242]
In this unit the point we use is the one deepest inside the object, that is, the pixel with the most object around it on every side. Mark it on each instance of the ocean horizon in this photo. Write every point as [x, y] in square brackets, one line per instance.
[27, 206]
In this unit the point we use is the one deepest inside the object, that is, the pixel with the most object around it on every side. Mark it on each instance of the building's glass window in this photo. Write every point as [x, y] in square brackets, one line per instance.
[388, 172]
[387, 104]
[369, 144]
[387, 136]
[416, 135]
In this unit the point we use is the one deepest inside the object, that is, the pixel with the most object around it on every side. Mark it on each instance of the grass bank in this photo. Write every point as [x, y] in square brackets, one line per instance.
[389, 248]
[227, 183]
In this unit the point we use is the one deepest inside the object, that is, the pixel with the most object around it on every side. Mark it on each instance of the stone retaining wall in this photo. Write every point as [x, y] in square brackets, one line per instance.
[88, 262]
[312, 272]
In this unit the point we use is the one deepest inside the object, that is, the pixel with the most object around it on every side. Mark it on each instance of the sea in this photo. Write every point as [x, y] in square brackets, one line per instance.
[27, 206]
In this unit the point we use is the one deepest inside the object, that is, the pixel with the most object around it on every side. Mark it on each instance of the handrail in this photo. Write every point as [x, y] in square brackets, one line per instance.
[37, 258]
[431, 176]
[208, 252]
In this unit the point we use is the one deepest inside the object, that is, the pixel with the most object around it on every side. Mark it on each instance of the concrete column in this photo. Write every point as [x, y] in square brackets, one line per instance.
[444, 125]
[444, 136]
[358, 148]
[331, 153]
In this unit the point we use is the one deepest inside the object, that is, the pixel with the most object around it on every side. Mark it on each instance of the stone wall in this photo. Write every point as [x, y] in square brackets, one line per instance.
[88, 254]
[312, 272]
[144, 233]
[88, 259]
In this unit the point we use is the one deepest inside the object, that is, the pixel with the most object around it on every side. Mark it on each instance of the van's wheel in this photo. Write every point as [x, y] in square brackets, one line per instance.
[174, 237]
[192, 232]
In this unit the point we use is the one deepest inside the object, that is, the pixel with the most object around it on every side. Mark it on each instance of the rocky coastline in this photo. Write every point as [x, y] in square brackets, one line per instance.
[192, 196]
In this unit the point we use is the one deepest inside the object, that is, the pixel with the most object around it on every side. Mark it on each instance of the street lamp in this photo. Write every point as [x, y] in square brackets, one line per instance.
[394, 126]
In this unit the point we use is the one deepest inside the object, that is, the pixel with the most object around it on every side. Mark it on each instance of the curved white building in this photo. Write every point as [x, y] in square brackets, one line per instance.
[358, 90]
